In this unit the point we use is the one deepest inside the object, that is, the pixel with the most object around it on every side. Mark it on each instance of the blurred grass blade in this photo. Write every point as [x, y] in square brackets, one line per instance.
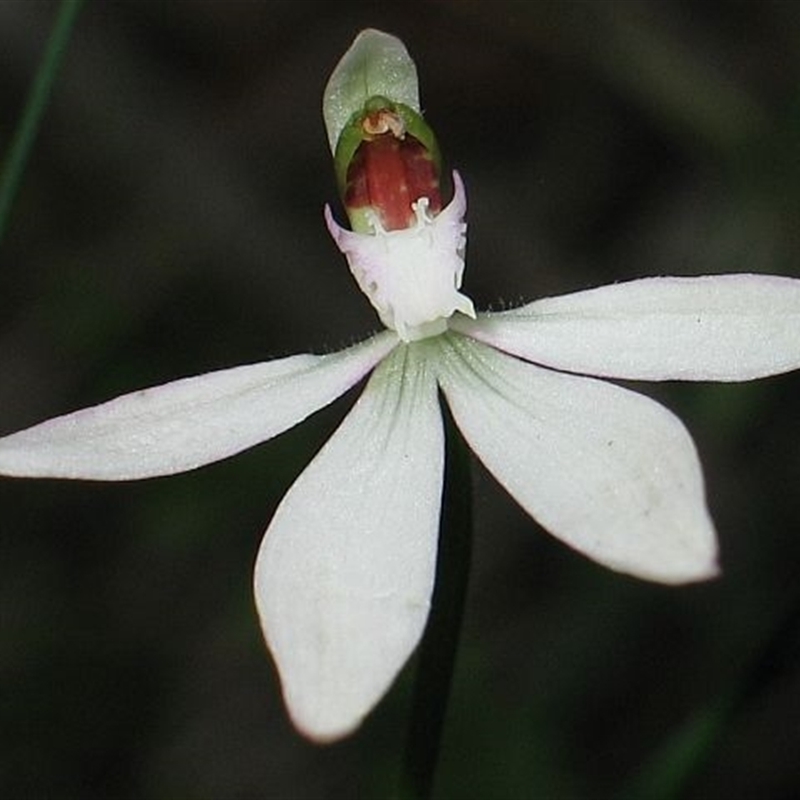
[666, 775]
[669, 772]
[25, 133]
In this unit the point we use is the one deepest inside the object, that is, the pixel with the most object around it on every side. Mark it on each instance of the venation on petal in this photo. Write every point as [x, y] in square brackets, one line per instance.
[608, 471]
[713, 327]
[345, 572]
[190, 422]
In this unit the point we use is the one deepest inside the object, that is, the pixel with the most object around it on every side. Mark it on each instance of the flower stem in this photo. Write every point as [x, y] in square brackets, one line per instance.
[437, 652]
[25, 133]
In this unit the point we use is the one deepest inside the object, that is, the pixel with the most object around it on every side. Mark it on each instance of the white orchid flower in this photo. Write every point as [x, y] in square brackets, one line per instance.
[345, 572]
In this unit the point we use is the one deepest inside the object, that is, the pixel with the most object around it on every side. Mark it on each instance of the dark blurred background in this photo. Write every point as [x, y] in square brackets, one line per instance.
[170, 223]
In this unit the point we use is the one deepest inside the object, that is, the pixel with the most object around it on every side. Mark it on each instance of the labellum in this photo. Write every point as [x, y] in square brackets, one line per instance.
[387, 159]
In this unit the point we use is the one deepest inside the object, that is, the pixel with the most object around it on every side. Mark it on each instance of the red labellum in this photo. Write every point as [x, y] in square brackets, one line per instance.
[389, 171]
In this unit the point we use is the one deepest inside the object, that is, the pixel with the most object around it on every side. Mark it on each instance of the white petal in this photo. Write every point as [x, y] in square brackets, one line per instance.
[715, 327]
[190, 422]
[608, 471]
[344, 575]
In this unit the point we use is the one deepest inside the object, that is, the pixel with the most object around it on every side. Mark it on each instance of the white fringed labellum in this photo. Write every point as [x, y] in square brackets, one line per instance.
[412, 276]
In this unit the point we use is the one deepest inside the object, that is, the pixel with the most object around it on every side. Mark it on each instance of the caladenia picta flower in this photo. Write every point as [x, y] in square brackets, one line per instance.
[345, 572]
[406, 254]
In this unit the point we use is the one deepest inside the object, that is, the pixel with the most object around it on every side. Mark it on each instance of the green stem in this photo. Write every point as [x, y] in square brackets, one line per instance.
[25, 133]
[437, 653]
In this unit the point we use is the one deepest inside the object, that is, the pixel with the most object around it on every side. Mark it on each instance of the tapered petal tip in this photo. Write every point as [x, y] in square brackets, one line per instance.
[672, 542]
[709, 571]
[319, 725]
[667, 537]
[337, 648]
[681, 562]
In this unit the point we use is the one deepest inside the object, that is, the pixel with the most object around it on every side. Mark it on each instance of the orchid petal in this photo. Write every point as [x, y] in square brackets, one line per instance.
[608, 471]
[345, 572]
[714, 327]
[190, 422]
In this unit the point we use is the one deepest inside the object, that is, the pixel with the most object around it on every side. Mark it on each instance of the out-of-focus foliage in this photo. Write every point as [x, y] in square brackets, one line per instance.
[170, 223]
